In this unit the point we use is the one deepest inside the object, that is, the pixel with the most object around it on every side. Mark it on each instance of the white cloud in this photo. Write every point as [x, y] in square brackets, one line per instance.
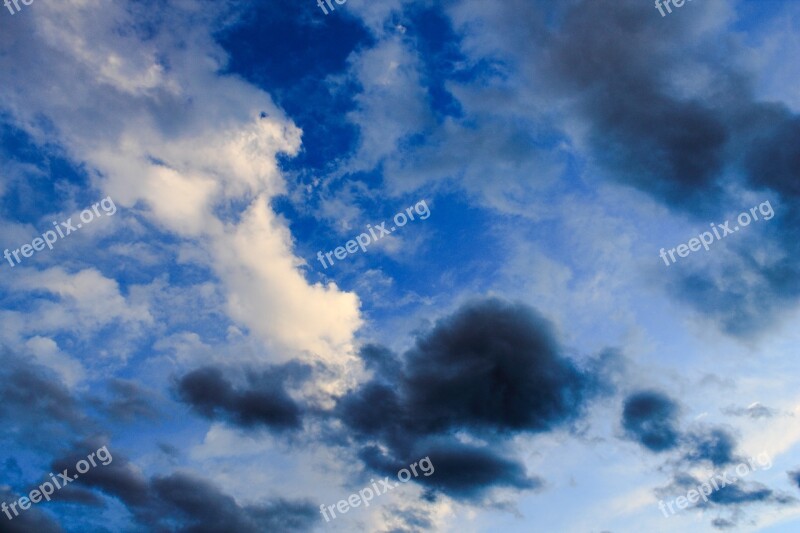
[47, 353]
[164, 131]
[86, 301]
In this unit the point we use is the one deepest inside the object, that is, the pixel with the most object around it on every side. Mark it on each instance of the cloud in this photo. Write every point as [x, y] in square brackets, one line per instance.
[46, 352]
[794, 476]
[262, 402]
[183, 501]
[691, 131]
[85, 301]
[36, 408]
[34, 519]
[722, 523]
[203, 507]
[731, 498]
[492, 369]
[129, 401]
[731, 495]
[714, 445]
[754, 410]
[181, 148]
[684, 128]
[651, 418]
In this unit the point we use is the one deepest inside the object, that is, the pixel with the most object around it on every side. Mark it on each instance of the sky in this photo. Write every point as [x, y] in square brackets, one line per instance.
[399, 266]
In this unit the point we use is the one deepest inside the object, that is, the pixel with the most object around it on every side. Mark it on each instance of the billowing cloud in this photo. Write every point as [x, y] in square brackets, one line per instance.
[651, 418]
[180, 146]
[184, 501]
[492, 369]
[262, 402]
[714, 445]
[33, 519]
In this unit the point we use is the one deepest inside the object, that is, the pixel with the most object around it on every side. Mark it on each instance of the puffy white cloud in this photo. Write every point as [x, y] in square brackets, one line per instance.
[47, 353]
[172, 139]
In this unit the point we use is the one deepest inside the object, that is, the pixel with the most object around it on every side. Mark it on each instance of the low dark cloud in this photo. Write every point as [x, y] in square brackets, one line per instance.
[262, 402]
[32, 520]
[653, 138]
[492, 369]
[203, 507]
[183, 501]
[682, 146]
[36, 408]
[651, 418]
[794, 477]
[751, 493]
[729, 494]
[494, 365]
[714, 445]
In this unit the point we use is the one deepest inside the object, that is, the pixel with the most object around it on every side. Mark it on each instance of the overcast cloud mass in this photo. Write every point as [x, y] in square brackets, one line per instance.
[269, 254]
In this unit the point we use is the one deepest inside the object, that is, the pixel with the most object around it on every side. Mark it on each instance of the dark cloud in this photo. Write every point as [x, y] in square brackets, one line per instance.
[492, 369]
[731, 498]
[651, 418]
[494, 365]
[36, 408]
[714, 445]
[31, 520]
[651, 138]
[206, 508]
[460, 470]
[794, 476]
[262, 402]
[620, 68]
[751, 493]
[182, 501]
[119, 478]
[26, 386]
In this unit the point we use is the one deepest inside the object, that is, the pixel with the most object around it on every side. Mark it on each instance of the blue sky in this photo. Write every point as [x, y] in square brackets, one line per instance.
[525, 337]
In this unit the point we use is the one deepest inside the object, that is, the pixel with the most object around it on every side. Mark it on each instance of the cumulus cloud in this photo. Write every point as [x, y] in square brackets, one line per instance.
[183, 501]
[192, 152]
[262, 402]
[794, 477]
[714, 445]
[691, 130]
[33, 519]
[37, 408]
[730, 499]
[492, 369]
[651, 418]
